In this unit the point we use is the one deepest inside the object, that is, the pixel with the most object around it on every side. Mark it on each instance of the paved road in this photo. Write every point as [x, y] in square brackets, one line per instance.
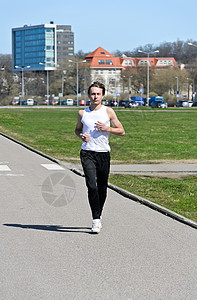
[47, 251]
[163, 170]
[175, 170]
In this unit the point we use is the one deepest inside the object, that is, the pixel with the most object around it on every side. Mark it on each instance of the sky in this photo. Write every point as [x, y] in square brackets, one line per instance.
[111, 24]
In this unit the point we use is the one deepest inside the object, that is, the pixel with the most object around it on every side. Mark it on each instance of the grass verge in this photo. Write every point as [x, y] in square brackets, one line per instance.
[175, 194]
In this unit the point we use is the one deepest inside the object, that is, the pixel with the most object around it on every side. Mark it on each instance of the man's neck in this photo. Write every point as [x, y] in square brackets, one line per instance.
[95, 107]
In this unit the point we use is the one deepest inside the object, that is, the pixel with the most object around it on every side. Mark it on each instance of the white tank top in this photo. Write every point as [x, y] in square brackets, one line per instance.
[99, 140]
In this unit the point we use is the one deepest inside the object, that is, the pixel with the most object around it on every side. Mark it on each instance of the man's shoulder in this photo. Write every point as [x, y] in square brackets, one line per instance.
[109, 111]
[80, 112]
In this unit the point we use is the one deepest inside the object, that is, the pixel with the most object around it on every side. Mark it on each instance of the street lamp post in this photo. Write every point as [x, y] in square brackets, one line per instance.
[130, 85]
[177, 86]
[77, 63]
[192, 87]
[191, 44]
[148, 54]
[63, 76]
[23, 83]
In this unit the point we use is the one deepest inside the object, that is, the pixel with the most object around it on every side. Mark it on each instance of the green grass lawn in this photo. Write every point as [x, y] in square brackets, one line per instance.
[151, 135]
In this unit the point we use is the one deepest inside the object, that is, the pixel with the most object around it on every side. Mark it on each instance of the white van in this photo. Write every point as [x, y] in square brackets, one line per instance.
[30, 102]
[69, 101]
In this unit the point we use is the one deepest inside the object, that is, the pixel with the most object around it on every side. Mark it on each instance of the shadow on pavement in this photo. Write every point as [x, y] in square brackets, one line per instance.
[52, 228]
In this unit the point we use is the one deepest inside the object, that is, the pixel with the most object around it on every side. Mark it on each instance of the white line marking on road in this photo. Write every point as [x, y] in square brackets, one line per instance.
[53, 167]
[4, 168]
[12, 175]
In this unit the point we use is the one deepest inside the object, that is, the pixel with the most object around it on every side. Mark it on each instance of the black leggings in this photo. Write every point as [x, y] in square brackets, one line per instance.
[96, 166]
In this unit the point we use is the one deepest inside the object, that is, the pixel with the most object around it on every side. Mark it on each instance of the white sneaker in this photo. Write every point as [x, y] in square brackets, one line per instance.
[96, 226]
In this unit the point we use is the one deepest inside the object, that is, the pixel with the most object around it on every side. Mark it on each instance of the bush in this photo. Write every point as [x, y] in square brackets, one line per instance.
[170, 99]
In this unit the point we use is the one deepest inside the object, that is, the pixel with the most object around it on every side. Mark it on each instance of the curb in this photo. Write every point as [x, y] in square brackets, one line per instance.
[115, 188]
[152, 205]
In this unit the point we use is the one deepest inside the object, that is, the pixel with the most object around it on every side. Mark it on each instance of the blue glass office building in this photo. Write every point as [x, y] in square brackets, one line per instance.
[34, 47]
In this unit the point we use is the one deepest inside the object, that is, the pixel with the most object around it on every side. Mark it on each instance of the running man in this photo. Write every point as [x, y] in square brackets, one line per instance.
[93, 128]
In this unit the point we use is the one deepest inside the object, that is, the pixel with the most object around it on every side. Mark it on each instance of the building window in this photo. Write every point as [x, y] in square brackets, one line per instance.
[108, 62]
[18, 39]
[101, 61]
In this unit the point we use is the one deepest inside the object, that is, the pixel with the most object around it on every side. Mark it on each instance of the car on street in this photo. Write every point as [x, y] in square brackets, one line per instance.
[182, 103]
[131, 104]
[67, 102]
[139, 100]
[55, 102]
[112, 103]
[104, 102]
[194, 103]
[122, 103]
[46, 102]
[82, 102]
[190, 103]
[159, 104]
[29, 101]
[15, 102]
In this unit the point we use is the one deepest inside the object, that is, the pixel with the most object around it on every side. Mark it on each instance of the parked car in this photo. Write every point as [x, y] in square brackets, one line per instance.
[46, 102]
[182, 103]
[122, 103]
[159, 104]
[194, 103]
[104, 102]
[139, 100]
[88, 102]
[29, 101]
[112, 103]
[15, 102]
[190, 103]
[154, 99]
[24, 102]
[55, 102]
[82, 102]
[131, 104]
[67, 102]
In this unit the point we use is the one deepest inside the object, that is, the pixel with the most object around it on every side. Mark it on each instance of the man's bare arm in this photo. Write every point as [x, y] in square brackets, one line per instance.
[79, 128]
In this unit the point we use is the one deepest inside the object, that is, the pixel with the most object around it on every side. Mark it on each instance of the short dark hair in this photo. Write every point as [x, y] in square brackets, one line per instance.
[98, 85]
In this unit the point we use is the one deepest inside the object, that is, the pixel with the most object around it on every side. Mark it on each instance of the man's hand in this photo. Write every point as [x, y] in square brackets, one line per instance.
[102, 127]
[85, 138]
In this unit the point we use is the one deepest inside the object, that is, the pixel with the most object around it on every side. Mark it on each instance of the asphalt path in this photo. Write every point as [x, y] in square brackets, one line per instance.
[47, 251]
